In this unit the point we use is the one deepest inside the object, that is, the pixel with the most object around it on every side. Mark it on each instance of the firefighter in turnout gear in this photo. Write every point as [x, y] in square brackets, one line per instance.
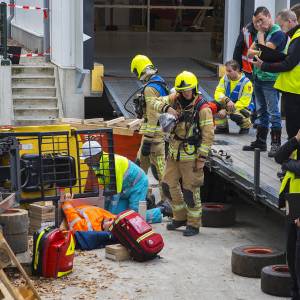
[152, 148]
[234, 95]
[189, 144]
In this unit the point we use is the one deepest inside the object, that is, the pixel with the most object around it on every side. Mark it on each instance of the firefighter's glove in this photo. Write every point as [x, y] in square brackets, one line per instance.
[230, 106]
[146, 148]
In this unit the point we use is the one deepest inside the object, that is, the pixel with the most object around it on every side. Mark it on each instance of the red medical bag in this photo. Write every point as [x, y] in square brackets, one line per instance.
[53, 252]
[134, 233]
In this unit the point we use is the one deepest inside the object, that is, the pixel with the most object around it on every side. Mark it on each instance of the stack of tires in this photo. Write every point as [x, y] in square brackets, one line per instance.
[256, 261]
[15, 226]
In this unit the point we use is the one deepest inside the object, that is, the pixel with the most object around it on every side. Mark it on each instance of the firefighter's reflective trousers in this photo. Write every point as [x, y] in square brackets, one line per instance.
[184, 196]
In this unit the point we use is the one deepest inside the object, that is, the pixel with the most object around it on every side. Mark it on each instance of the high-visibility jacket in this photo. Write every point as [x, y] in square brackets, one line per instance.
[85, 217]
[246, 61]
[290, 183]
[239, 91]
[103, 171]
[290, 81]
[155, 88]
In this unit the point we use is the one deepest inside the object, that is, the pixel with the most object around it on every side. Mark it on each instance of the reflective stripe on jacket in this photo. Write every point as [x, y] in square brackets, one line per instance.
[246, 61]
[103, 171]
[289, 81]
[85, 217]
[290, 183]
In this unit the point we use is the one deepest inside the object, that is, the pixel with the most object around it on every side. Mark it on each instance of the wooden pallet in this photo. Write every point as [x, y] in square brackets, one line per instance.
[7, 290]
[119, 125]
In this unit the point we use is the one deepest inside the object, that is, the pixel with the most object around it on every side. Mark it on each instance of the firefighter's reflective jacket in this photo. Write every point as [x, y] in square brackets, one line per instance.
[194, 133]
[150, 128]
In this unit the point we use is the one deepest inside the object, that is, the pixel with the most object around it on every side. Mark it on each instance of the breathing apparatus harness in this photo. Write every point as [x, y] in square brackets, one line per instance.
[139, 101]
[193, 120]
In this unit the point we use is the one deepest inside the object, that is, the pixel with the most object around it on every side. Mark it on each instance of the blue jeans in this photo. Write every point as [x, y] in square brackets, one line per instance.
[267, 104]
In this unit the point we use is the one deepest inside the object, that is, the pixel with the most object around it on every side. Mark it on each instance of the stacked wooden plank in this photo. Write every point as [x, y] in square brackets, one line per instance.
[41, 215]
[119, 125]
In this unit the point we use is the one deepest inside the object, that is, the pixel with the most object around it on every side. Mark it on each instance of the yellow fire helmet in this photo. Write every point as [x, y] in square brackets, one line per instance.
[139, 64]
[186, 81]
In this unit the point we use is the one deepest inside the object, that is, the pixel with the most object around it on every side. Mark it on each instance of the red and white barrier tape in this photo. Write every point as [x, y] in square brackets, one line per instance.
[29, 55]
[27, 7]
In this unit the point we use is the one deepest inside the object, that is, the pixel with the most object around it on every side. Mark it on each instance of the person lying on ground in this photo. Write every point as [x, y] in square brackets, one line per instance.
[86, 217]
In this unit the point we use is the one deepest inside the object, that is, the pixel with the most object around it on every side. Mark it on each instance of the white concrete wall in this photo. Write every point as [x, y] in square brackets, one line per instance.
[270, 4]
[6, 111]
[282, 4]
[231, 26]
[62, 32]
[31, 21]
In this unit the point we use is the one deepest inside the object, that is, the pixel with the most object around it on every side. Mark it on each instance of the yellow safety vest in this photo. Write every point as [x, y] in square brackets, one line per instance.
[103, 172]
[290, 178]
[289, 81]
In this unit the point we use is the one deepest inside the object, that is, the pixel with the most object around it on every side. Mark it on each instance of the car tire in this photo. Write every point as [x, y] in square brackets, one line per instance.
[218, 214]
[248, 261]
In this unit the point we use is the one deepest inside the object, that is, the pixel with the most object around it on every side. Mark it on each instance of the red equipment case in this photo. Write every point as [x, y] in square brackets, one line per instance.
[134, 233]
[53, 253]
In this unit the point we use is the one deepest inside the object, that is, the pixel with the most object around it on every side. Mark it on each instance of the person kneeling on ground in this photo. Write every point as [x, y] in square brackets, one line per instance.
[131, 181]
[234, 95]
[288, 155]
[86, 217]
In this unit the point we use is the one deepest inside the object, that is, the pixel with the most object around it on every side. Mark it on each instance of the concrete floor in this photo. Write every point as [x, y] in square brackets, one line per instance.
[190, 268]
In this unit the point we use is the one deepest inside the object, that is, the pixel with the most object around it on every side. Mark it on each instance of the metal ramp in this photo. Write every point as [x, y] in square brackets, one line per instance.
[120, 84]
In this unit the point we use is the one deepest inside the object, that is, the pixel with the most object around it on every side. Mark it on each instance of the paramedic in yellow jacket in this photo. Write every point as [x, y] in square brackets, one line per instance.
[189, 145]
[234, 95]
[152, 148]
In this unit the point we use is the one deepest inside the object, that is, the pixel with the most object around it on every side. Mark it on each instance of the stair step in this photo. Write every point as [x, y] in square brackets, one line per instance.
[40, 91]
[30, 122]
[33, 81]
[35, 102]
[33, 70]
[37, 113]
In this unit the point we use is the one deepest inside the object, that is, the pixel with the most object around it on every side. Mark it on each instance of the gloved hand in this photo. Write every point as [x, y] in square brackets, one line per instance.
[146, 148]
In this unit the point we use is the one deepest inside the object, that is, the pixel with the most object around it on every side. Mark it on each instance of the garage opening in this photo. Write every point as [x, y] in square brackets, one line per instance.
[160, 28]
[177, 35]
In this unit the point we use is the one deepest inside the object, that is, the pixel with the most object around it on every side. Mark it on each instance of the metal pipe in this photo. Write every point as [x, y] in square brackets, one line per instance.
[148, 16]
[256, 172]
[176, 7]
[46, 41]
[3, 42]
[11, 16]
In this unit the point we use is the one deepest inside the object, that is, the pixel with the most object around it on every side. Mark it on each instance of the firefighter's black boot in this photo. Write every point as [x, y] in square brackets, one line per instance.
[275, 141]
[260, 142]
[190, 231]
[175, 224]
[220, 130]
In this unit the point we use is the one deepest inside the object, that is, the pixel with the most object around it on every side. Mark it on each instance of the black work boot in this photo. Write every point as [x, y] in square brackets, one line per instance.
[219, 130]
[190, 231]
[175, 224]
[275, 141]
[261, 140]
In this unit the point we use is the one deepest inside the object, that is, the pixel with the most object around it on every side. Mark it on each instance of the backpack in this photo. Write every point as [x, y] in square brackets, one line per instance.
[134, 233]
[53, 252]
